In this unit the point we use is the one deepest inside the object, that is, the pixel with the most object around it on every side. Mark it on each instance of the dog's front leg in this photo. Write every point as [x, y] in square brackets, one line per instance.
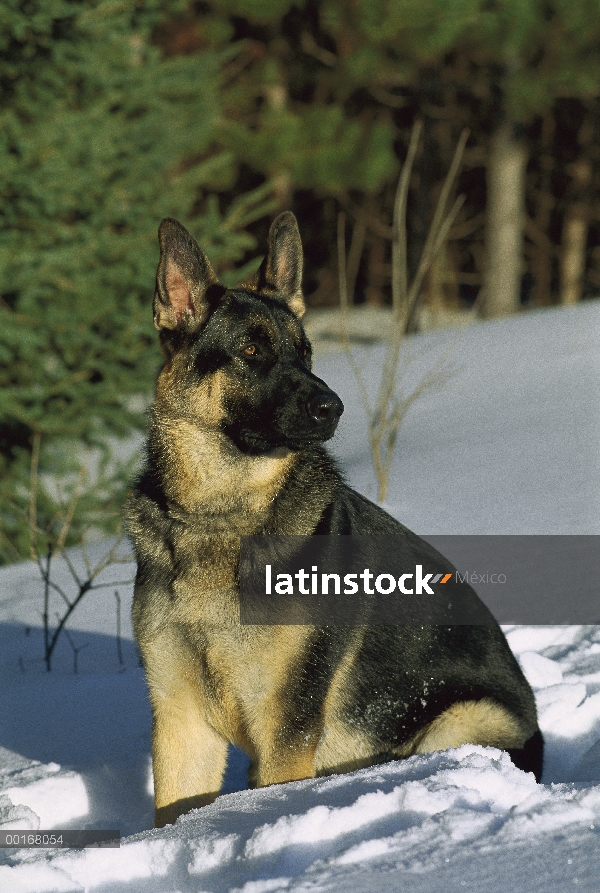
[188, 760]
[188, 754]
[285, 762]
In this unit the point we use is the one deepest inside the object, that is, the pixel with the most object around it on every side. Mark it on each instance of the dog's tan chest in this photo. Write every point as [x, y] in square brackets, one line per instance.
[224, 490]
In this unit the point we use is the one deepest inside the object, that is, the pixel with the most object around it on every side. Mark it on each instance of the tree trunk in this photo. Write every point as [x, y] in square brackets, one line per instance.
[357, 244]
[375, 273]
[574, 242]
[542, 253]
[276, 96]
[574, 236]
[505, 219]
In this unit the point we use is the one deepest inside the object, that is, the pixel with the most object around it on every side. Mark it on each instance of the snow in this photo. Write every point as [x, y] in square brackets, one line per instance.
[509, 444]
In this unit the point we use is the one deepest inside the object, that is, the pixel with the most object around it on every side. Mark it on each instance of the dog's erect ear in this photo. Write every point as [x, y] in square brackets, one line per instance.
[183, 278]
[281, 269]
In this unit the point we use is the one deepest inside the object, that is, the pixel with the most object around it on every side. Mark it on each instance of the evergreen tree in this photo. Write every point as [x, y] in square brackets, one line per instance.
[100, 137]
[524, 54]
[534, 53]
[325, 99]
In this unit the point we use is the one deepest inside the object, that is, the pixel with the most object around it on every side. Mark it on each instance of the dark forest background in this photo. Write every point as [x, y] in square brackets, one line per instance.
[116, 113]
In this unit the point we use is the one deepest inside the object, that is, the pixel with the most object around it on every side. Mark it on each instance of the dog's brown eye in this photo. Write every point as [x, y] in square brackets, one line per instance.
[250, 351]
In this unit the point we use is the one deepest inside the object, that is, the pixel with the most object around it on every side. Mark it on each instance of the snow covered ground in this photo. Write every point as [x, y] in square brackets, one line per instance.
[509, 444]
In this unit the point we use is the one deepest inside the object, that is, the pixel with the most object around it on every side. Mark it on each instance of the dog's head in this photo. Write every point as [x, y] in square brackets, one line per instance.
[238, 360]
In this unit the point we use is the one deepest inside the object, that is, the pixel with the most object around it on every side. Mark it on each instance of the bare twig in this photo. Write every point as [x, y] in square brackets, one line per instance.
[46, 578]
[343, 282]
[357, 244]
[345, 306]
[390, 410]
[376, 226]
[440, 225]
[55, 548]
[68, 518]
[311, 48]
[430, 252]
[33, 488]
[399, 257]
[75, 649]
[436, 237]
[83, 587]
[119, 650]
[385, 97]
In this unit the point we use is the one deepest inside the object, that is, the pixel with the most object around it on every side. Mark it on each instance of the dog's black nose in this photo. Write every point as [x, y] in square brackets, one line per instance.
[325, 408]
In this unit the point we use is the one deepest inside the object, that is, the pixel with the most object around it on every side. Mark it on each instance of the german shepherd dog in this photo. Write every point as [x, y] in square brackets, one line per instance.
[235, 448]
